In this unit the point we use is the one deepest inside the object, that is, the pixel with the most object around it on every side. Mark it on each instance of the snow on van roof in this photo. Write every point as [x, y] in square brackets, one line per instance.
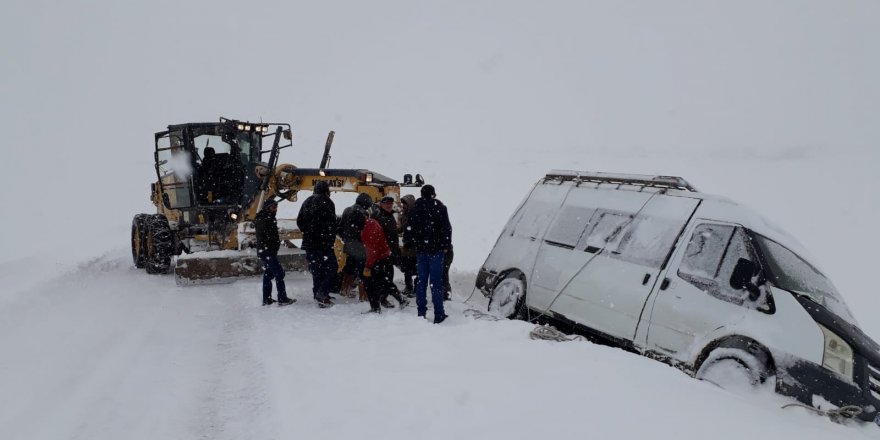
[631, 179]
[721, 208]
[714, 207]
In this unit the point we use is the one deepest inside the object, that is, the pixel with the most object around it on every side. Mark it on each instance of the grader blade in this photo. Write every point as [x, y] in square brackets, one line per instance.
[217, 267]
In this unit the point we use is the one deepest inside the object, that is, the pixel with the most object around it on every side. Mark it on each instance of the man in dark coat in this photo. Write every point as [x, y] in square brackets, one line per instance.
[408, 250]
[318, 223]
[268, 243]
[384, 215]
[429, 222]
[351, 225]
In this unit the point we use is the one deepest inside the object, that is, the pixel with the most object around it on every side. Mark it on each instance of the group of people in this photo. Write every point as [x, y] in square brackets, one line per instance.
[371, 237]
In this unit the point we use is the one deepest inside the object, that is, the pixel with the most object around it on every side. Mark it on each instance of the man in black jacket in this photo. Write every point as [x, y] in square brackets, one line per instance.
[384, 214]
[352, 223]
[318, 223]
[266, 226]
[429, 223]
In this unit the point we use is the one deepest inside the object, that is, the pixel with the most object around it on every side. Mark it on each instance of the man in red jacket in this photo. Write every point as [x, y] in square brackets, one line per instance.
[378, 270]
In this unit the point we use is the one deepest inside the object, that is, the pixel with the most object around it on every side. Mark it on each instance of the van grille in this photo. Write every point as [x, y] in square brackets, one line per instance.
[874, 380]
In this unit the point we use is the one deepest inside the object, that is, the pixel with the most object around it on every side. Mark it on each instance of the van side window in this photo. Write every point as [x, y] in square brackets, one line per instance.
[608, 231]
[534, 219]
[537, 211]
[569, 226]
[648, 241]
[710, 258]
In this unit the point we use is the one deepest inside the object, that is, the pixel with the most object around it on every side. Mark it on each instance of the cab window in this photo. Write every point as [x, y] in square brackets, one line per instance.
[710, 259]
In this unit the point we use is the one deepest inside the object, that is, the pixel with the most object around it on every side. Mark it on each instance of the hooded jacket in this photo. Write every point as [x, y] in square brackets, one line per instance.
[266, 226]
[353, 220]
[318, 223]
[389, 228]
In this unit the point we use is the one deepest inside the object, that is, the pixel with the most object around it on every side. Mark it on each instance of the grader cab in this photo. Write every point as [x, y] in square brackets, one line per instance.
[212, 179]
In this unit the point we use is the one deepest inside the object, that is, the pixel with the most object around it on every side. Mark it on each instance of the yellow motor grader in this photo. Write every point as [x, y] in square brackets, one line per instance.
[212, 180]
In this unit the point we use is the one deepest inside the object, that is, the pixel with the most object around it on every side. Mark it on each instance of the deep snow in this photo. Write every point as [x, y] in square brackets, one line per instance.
[776, 105]
[106, 351]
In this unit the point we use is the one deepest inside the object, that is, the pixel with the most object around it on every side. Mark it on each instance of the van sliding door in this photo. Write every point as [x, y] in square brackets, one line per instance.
[615, 264]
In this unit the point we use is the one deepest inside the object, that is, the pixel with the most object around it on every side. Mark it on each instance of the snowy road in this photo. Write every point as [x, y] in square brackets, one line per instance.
[103, 351]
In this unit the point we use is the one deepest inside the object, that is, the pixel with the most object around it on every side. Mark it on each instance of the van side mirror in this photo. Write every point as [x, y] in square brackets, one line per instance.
[742, 278]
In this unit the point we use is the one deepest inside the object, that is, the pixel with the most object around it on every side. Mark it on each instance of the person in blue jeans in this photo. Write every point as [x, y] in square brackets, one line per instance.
[268, 243]
[319, 225]
[432, 233]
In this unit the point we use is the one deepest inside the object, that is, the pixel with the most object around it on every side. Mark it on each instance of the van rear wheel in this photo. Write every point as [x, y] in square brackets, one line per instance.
[508, 297]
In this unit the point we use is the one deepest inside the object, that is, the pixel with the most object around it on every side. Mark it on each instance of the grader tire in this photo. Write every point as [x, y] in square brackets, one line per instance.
[138, 240]
[159, 244]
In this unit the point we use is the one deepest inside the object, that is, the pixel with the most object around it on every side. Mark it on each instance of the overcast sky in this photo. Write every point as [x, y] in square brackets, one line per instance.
[84, 85]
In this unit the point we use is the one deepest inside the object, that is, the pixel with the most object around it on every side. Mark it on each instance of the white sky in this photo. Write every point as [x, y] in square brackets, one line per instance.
[405, 84]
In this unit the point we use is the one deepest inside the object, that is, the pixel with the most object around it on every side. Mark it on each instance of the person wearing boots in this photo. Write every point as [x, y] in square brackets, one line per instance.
[268, 243]
[318, 223]
[378, 270]
[351, 225]
[384, 214]
[429, 222]
[408, 250]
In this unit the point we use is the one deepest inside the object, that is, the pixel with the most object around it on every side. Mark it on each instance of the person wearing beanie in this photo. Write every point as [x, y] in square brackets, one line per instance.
[318, 223]
[432, 233]
[268, 243]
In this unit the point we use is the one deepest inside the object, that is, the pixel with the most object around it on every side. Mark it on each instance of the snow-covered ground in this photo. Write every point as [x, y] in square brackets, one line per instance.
[774, 104]
[105, 351]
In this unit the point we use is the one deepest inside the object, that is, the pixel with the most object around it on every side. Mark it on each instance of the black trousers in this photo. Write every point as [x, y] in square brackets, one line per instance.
[323, 266]
[380, 283]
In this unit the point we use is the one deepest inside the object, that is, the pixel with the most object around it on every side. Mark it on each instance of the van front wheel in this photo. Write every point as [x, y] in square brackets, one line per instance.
[508, 297]
[733, 369]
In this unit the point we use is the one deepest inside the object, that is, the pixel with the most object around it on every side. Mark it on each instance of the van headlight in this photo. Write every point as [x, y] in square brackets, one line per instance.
[838, 356]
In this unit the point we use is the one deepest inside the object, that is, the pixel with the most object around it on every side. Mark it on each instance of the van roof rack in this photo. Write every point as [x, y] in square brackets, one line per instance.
[672, 182]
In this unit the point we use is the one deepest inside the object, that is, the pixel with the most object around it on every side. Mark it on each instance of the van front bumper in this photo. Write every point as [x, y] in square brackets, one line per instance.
[803, 380]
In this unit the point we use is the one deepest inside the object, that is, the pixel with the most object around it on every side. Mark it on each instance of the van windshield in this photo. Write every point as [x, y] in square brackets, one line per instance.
[790, 272]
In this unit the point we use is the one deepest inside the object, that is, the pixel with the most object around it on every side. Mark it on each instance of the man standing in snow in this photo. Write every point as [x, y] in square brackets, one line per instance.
[353, 219]
[318, 223]
[385, 216]
[377, 267]
[408, 250]
[268, 243]
[429, 223]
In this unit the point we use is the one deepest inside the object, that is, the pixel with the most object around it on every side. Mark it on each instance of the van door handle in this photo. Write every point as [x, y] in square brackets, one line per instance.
[665, 284]
[646, 279]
